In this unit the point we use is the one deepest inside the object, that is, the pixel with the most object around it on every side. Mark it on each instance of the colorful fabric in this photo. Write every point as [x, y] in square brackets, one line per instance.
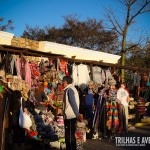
[112, 115]
[35, 71]
[64, 67]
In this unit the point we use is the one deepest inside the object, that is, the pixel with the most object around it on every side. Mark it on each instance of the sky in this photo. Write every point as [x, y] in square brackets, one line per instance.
[50, 12]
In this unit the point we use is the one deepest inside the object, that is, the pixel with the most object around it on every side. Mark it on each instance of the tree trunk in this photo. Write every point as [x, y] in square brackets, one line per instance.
[123, 53]
[123, 56]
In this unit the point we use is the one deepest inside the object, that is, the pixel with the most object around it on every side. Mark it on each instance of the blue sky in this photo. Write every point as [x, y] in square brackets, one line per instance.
[50, 12]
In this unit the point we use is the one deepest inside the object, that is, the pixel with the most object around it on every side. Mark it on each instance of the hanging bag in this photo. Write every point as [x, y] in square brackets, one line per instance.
[24, 119]
[148, 83]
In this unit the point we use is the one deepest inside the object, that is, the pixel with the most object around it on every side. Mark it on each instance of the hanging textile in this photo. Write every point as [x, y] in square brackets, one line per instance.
[98, 115]
[112, 111]
[63, 66]
[75, 74]
[13, 65]
[83, 74]
[97, 75]
[24, 71]
[112, 115]
[136, 79]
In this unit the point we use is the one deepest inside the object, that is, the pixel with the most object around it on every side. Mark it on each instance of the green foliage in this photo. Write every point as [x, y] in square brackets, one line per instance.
[140, 56]
[89, 34]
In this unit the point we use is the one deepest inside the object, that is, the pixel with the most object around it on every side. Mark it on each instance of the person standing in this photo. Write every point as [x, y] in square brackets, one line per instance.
[123, 98]
[70, 112]
[89, 101]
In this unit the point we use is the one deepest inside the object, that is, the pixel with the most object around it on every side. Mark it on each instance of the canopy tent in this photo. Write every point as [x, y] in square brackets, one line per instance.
[78, 53]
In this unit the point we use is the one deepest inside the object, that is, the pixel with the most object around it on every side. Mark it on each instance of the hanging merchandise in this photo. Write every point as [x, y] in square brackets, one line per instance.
[103, 75]
[75, 74]
[13, 65]
[112, 111]
[136, 79]
[80, 75]
[83, 74]
[24, 119]
[98, 114]
[24, 70]
[96, 75]
[35, 71]
[108, 74]
[54, 74]
[63, 66]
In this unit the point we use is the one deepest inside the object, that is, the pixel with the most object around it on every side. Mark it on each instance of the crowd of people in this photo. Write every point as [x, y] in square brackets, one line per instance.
[79, 106]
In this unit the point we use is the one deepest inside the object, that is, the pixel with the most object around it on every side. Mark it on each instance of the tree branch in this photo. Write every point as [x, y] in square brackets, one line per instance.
[139, 11]
[131, 47]
[114, 22]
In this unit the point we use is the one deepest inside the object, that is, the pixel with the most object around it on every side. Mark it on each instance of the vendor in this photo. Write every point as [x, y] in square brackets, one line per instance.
[40, 97]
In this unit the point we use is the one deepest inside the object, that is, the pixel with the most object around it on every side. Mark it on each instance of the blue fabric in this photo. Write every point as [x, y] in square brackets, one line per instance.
[89, 99]
[89, 112]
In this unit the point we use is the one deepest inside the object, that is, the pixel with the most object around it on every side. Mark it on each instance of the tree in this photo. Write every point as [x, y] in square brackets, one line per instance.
[140, 55]
[7, 26]
[89, 34]
[134, 8]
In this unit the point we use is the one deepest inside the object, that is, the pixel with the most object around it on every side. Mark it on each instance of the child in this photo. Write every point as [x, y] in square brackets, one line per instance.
[81, 127]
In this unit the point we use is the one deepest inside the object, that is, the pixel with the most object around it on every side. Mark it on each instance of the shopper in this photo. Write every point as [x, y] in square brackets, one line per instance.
[70, 112]
[18, 132]
[89, 101]
[123, 97]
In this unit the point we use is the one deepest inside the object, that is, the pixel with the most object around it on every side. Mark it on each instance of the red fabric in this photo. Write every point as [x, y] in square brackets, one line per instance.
[64, 67]
[35, 72]
[32, 133]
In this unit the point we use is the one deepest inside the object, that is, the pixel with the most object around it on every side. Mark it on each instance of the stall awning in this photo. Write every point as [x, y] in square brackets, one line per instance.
[78, 53]
[27, 51]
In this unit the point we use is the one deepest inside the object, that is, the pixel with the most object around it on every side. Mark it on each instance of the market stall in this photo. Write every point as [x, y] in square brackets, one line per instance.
[37, 68]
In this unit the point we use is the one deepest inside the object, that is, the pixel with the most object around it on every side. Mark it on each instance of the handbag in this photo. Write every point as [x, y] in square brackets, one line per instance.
[148, 83]
[24, 119]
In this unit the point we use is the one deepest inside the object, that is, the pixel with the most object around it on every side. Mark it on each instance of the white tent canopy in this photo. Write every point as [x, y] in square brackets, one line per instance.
[80, 53]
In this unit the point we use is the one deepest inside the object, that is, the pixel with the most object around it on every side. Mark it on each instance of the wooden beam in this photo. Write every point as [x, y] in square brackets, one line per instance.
[50, 55]
[27, 51]
[100, 63]
[73, 57]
